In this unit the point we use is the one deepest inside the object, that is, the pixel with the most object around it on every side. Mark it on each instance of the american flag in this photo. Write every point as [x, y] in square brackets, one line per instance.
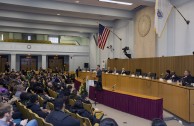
[102, 36]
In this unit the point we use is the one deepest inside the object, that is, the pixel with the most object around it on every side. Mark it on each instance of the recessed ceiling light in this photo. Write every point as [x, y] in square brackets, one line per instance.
[58, 14]
[77, 1]
[116, 2]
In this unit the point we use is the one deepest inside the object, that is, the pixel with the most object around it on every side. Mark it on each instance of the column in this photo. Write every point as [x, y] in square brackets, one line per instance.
[44, 62]
[13, 62]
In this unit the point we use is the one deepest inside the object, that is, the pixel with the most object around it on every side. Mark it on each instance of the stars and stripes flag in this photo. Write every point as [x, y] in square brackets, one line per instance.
[102, 36]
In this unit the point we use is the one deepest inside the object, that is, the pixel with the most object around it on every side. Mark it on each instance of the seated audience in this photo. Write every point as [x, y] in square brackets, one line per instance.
[59, 118]
[108, 122]
[74, 95]
[6, 111]
[78, 108]
[168, 75]
[25, 98]
[35, 107]
[20, 89]
[158, 122]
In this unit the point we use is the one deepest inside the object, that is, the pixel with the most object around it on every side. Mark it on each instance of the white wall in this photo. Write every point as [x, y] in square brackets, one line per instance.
[177, 37]
[48, 49]
[125, 30]
[75, 61]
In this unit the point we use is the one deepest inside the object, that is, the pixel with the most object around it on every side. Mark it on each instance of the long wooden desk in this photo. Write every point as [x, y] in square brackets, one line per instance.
[141, 105]
[178, 100]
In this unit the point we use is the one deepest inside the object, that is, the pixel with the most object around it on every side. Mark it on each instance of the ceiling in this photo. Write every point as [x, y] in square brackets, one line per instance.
[64, 17]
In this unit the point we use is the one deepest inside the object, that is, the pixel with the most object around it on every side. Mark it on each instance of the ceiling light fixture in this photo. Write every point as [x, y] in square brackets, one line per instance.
[77, 1]
[116, 2]
[58, 14]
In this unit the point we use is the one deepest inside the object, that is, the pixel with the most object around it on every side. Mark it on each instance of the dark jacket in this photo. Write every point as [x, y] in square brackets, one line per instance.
[99, 75]
[36, 109]
[167, 77]
[59, 118]
[187, 80]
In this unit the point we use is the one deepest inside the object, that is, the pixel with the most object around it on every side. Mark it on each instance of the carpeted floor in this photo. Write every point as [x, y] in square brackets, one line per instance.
[125, 119]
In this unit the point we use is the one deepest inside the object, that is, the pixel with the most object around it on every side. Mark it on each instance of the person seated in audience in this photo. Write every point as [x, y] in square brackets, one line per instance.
[85, 99]
[25, 98]
[78, 108]
[59, 118]
[20, 89]
[74, 95]
[108, 122]
[174, 77]
[168, 75]
[187, 78]
[123, 71]
[6, 111]
[44, 95]
[35, 107]
[67, 91]
[158, 122]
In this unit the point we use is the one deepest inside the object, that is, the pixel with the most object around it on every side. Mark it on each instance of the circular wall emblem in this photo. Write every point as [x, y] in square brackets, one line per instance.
[28, 46]
[144, 25]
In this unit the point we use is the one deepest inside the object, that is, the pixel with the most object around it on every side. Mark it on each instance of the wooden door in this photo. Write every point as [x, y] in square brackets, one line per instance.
[28, 63]
[3, 60]
[56, 62]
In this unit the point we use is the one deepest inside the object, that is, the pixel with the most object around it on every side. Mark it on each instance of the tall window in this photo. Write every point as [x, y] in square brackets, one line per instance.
[53, 39]
[2, 36]
[29, 37]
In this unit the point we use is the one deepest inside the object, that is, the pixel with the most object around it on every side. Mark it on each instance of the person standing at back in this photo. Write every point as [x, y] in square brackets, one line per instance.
[7, 67]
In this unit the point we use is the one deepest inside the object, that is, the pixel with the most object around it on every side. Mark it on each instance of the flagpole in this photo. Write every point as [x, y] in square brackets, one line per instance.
[116, 35]
[113, 33]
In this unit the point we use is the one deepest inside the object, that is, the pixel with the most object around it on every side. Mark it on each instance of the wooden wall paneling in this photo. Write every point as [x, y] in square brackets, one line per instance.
[157, 65]
[191, 105]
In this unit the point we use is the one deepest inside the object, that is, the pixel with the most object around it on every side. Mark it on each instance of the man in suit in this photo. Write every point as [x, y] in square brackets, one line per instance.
[59, 118]
[77, 70]
[187, 78]
[115, 70]
[123, 71]
[99, 75]
[174, 77]
[109, 70]
[168, 75]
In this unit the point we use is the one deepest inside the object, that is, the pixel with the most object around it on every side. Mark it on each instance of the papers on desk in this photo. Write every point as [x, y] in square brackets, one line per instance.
[161, 79]
[169, 81]
[132, 75]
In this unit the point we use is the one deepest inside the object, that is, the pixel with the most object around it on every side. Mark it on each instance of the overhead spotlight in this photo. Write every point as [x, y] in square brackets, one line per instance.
[77, 1]
[58, 14]
[116, 2]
